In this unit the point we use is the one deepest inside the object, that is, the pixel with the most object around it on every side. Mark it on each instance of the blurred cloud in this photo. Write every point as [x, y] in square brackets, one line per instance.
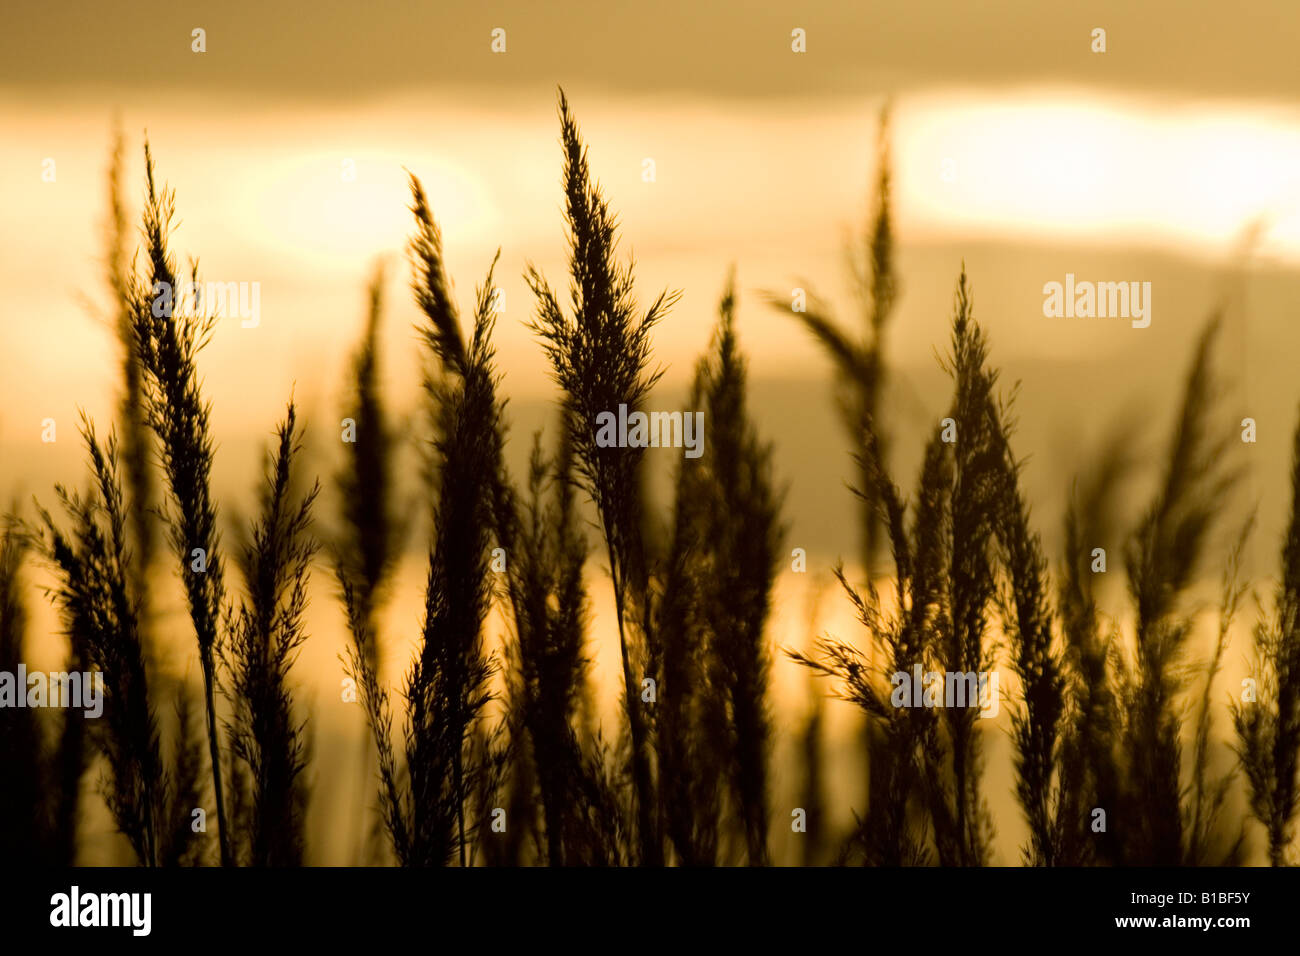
[330, 51]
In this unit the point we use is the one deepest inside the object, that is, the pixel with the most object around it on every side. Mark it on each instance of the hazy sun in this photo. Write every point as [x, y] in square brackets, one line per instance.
[345, 206]
[1057, 165]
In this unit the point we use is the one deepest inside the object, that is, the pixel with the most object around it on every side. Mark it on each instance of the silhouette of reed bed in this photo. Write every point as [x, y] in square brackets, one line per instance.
[490, 755]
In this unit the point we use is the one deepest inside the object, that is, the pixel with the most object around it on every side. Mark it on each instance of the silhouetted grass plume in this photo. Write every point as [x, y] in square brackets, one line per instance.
[100, 615]
[600, 357]
[1268, 727]
[169, 333]
[265, 635]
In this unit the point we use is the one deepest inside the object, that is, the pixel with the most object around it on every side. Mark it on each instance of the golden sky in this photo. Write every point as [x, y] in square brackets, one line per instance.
[337, 51]
[1016, 149]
